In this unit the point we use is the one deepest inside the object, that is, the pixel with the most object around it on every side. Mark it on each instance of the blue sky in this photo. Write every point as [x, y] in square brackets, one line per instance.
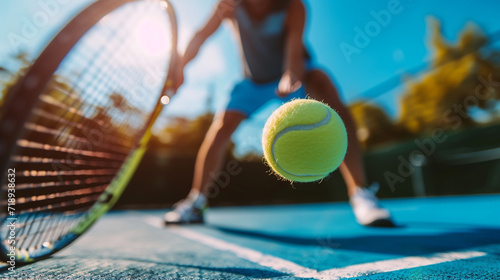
[393, 48]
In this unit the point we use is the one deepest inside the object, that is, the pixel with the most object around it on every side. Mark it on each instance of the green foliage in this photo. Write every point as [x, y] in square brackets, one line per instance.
[462, 76]
[374, 126]
[12, 79]
[453, 82]
[182, 136]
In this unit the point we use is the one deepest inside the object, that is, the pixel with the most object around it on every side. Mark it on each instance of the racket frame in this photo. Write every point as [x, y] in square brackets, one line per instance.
[22, 97]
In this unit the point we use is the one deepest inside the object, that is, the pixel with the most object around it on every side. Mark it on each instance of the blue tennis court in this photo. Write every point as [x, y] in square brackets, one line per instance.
[292, 119]
[436, 238]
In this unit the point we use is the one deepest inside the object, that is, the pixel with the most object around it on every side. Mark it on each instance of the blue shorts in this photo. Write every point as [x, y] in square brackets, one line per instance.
[248, 96]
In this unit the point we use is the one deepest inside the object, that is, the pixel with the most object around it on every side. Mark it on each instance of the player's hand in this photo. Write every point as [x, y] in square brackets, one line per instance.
[289, 83]
[226, 8]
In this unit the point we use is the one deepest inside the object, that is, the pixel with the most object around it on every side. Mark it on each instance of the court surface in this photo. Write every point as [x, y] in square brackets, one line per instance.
[437, 238]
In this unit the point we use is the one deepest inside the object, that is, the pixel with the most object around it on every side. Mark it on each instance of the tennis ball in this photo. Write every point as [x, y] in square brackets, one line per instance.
[304, 140]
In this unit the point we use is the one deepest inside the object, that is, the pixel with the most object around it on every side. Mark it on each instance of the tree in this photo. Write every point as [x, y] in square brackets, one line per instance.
[12, 79]
[462, 76]
[374, 126]
[182, 136]
[454, 84]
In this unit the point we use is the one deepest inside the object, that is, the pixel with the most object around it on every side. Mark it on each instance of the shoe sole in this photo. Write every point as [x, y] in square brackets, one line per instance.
[168, 223]
[381, 223]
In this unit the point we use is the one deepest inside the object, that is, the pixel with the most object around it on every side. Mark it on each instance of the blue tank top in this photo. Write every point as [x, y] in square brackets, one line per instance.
[262, 42]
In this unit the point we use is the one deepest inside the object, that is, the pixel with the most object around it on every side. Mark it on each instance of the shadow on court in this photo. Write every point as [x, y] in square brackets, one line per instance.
[243, 242]
[237, 271]
[460, 237]
[252, 273]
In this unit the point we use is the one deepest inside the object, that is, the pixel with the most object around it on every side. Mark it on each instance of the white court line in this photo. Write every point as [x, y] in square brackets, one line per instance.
[154, 221]
[394, 265]
[296, 270]
[257, 257]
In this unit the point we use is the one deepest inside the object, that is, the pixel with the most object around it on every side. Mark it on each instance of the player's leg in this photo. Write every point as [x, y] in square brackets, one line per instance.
[214, 147]
[208, 161]
[320, 87]
[365, 204]
[245, 99]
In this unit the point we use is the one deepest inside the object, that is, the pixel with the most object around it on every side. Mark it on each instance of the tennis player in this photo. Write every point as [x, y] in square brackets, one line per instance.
[276, 66]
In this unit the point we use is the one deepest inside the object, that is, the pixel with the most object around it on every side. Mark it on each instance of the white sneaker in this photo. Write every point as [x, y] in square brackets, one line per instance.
[187, 211]
[367, 209]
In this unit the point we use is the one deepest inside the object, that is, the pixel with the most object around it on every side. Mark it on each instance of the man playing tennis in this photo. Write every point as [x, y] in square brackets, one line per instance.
[276, 65]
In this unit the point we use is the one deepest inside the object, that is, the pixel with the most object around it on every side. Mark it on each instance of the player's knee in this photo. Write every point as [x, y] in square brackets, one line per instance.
[218, 135]
[224, 127]
[318, 80]
[225, 131]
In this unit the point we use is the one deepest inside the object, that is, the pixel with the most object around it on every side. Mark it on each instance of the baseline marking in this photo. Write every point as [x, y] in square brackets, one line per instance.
[393, 265]
[296, 270]
[257, 257]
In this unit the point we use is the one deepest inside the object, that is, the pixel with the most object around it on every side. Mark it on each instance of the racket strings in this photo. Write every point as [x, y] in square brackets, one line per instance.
[61, 171]
[96, 78]
[111, 67]
[62, 147]
[79, 129]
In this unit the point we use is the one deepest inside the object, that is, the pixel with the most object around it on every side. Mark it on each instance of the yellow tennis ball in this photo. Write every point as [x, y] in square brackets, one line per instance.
[304, 140]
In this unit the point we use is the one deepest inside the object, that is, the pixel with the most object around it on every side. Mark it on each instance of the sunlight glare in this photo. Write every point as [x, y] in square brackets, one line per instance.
[151, 37]
[165, 100]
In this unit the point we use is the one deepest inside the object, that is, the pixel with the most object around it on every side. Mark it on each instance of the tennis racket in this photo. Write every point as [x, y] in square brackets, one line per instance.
[74, 128]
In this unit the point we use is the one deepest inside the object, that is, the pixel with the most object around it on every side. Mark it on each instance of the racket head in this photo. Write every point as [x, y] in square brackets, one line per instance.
[75, 126]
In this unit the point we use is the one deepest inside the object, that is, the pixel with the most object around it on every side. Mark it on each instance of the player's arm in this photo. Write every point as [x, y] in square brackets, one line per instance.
[223, 10]
[294, 49]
